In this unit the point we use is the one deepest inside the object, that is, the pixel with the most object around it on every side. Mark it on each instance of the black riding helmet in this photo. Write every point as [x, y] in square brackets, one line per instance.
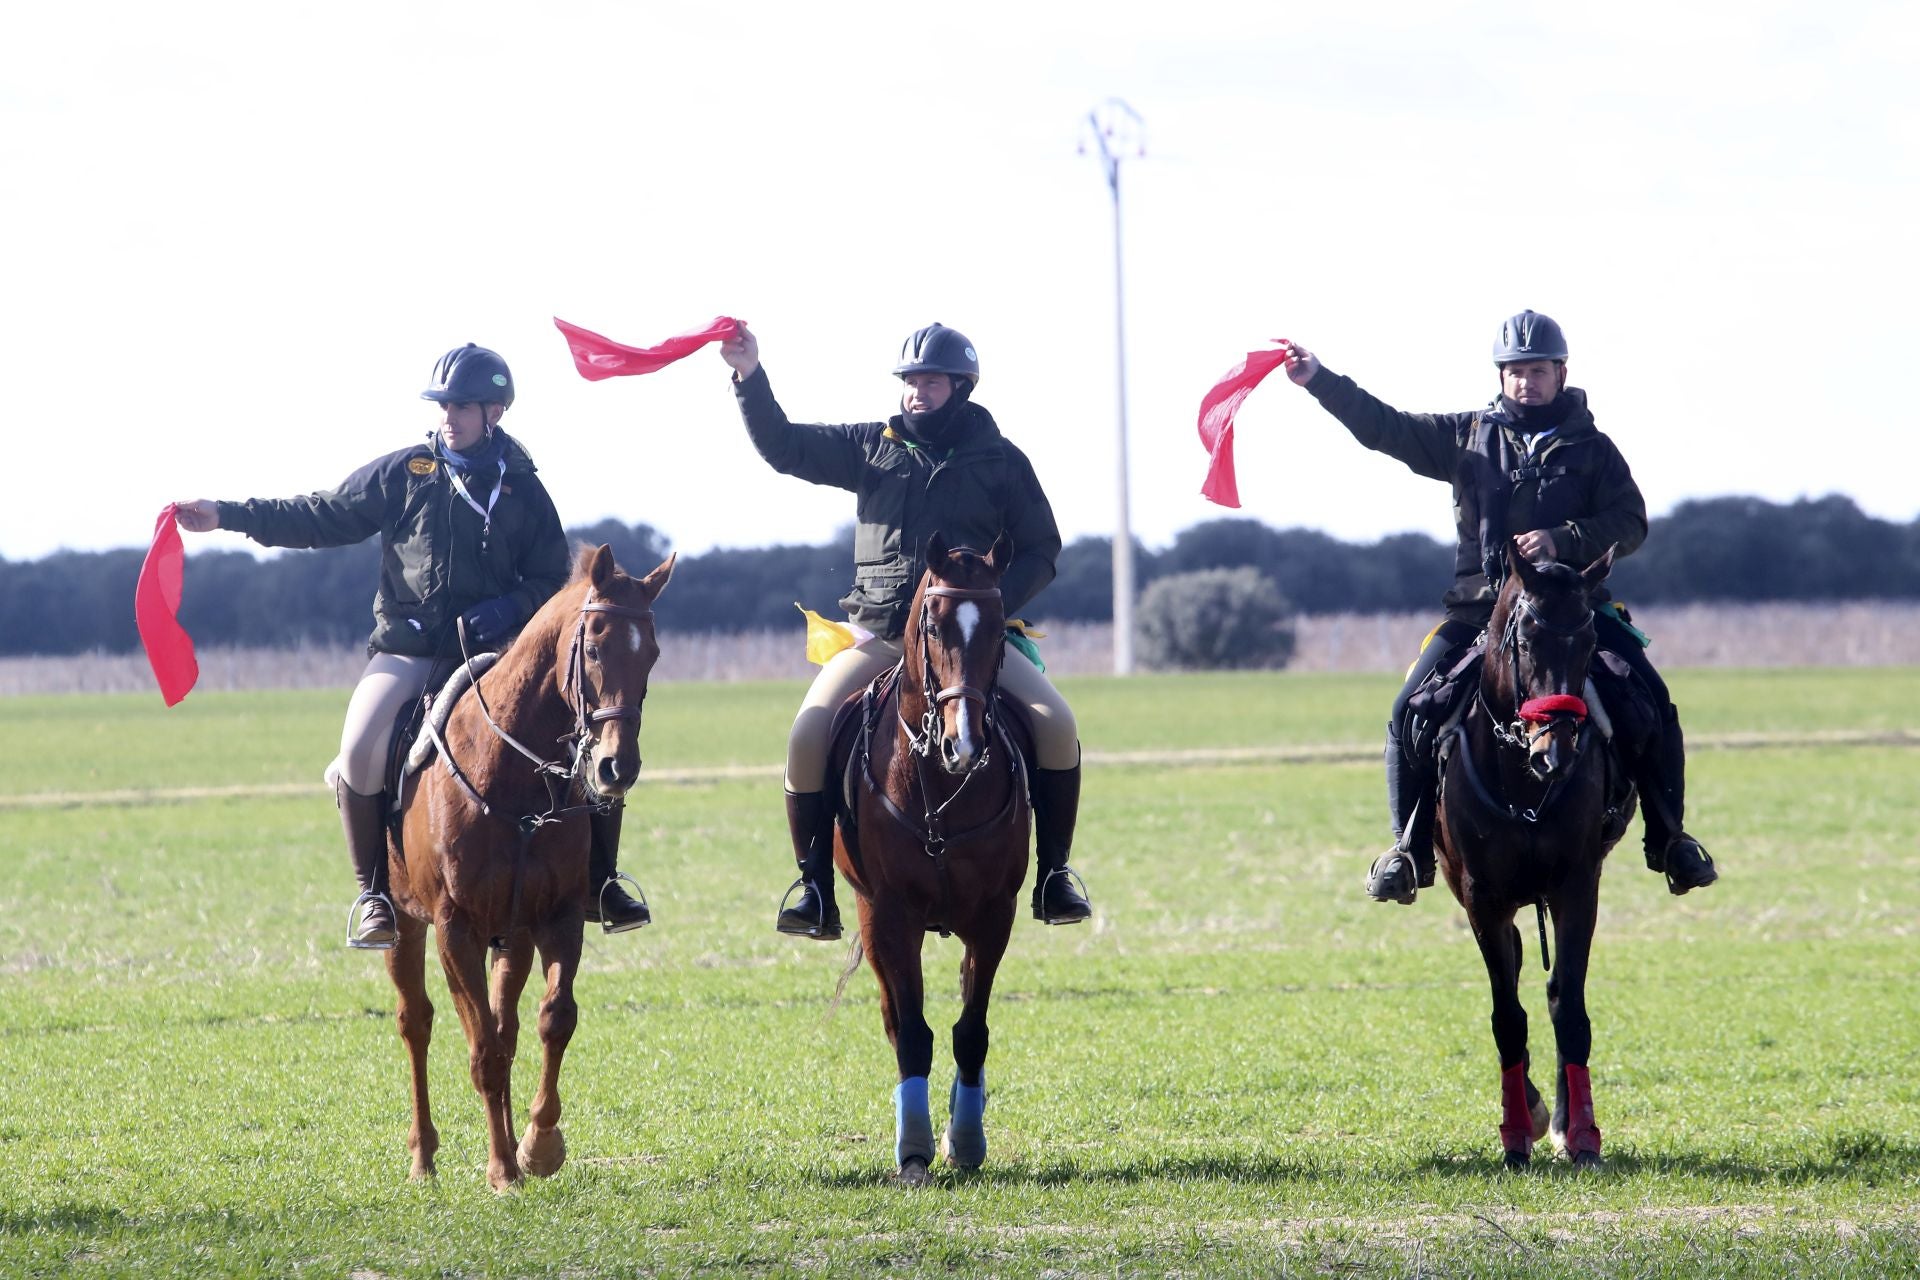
[938, 349]
[471, 375]
[1529, 336]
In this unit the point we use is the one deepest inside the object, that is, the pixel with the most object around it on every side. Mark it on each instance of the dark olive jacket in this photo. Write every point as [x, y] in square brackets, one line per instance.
[437, 557]
[970, 494]
[1577, 487]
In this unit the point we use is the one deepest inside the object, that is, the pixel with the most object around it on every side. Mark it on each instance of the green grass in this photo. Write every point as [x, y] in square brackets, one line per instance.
[1243, 1068]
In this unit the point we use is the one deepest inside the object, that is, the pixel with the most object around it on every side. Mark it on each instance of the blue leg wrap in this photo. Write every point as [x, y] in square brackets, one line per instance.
[913, 1127]
[966, 1144]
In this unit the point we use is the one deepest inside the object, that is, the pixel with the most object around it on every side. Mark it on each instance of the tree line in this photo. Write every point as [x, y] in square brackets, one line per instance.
[1708, 550]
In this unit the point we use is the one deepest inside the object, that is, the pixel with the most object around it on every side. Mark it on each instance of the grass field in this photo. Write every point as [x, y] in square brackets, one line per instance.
[1242, 1067]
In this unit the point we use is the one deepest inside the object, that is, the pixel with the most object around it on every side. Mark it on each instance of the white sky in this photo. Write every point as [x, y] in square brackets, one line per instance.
[237, 236]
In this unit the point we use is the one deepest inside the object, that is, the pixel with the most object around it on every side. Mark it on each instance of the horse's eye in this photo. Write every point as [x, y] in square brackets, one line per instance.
[593, 653]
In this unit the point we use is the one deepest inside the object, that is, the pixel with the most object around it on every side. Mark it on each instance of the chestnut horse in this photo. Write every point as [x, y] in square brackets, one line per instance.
[495, 846]
[939, 838]
[1522, 820]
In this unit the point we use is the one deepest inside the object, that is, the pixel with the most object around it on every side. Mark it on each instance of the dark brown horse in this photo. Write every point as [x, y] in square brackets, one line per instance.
[1523, 821]
[495, 846]
[939, 839]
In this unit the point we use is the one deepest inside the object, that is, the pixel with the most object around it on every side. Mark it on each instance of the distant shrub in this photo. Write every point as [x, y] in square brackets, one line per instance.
[1214, 619]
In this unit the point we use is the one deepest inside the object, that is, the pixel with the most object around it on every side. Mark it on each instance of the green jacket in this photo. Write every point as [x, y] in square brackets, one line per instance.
[438, 558]
[1578, 486]
[970, 494]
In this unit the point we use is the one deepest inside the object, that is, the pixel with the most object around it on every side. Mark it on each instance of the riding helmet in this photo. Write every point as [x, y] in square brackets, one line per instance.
[1529, 336]
[471, 375]
[938, 349]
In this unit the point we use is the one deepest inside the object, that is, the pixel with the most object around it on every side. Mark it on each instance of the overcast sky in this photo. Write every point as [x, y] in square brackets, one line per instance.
[237, 236]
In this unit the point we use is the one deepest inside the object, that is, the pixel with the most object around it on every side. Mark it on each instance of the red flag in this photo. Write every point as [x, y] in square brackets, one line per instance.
[1217, 409]
[597, 357]
[156, 608]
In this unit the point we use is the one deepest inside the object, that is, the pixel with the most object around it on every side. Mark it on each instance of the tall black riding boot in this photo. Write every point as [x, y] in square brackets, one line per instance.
[1056, 809]
[1407, 866]
[608, 901]
[1661, 775]
[810, 823]
[364, 820]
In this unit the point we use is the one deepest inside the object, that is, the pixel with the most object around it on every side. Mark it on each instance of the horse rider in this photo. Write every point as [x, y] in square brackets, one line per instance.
[467, 533]
[939, 465]
[1561, 490]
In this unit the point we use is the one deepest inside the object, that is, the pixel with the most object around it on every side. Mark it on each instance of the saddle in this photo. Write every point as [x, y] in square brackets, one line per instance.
[409, 750]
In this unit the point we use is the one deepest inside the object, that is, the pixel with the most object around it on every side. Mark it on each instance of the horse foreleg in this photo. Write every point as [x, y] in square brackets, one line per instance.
[413, 1016]
[1500, 949]
[509, 971]
[543, 1148]
[463, 954]
[893, 950]
[1573, 1130]
[965, 1143]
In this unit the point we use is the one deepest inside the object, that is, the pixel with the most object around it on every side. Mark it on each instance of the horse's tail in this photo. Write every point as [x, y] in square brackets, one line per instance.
[855, 954]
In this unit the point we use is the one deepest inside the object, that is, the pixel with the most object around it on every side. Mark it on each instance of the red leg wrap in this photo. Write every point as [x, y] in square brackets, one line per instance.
[1583, 1136]
[1516, 1118]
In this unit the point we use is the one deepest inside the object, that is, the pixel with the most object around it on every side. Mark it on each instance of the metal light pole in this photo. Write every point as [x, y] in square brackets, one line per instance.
[1118, 132]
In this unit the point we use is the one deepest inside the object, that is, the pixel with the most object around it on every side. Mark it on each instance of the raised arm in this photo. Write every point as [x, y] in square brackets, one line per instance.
[1428, 443]
[820, 453]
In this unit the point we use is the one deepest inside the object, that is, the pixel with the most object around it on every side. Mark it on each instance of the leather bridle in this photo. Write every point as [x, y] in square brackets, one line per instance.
[936, 695]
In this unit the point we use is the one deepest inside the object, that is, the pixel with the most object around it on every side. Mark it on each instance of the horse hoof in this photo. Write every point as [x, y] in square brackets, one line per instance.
[542, 1153]
[503, 1179]
[1517, 1160]
[966, 1151]
[1589, 1160]
[1541, 1118]
[912, 1174]
[422, 1171]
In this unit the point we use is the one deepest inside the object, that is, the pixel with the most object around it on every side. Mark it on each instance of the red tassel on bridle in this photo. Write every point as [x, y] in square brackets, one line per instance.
[1541, 710]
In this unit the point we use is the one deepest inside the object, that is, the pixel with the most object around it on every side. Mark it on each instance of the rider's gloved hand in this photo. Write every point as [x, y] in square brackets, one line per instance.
[492, 620]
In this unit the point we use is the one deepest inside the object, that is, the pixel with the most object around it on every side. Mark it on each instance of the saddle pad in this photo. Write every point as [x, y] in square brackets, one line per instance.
[440, 707]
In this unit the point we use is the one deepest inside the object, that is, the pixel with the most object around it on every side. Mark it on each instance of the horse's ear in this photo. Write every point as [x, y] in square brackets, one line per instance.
[1000, 554]
[936, 550]
[1596, 573]
[601, 567]
[656, 582]
[1522, 568]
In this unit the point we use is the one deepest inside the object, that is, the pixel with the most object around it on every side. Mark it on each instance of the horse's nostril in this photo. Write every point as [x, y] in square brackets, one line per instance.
[609, 771]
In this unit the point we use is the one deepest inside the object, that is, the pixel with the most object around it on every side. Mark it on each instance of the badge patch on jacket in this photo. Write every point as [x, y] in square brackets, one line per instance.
[420, 466]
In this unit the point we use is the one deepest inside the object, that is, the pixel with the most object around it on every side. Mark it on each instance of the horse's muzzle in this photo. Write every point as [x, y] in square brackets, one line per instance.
[614, 772]
[961, 742]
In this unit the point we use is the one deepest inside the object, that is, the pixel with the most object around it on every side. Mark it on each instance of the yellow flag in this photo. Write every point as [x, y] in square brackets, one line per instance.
[824, 638]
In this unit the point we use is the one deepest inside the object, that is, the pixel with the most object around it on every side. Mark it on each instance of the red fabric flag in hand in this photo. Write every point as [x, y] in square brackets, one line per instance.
[156, 608]
[1217, 410]
[597, 357]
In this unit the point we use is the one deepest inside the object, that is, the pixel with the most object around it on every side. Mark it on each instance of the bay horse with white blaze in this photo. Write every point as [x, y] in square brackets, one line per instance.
[938, 836]
[1523, 820]
[495, 842]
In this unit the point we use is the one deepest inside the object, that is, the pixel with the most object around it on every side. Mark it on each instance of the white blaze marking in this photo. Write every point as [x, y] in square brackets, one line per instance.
[633, 636]
[968, 616]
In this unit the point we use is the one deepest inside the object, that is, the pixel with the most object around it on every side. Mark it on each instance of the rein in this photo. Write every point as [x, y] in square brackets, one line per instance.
[552, 773]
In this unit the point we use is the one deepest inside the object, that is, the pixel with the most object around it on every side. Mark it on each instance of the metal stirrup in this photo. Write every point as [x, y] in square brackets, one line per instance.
[816, 930]
[353, 911]
[639, 895]
[1074, 878]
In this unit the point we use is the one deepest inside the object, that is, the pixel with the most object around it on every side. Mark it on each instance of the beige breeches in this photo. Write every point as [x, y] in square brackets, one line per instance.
[388, 684]
[1056, 736]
